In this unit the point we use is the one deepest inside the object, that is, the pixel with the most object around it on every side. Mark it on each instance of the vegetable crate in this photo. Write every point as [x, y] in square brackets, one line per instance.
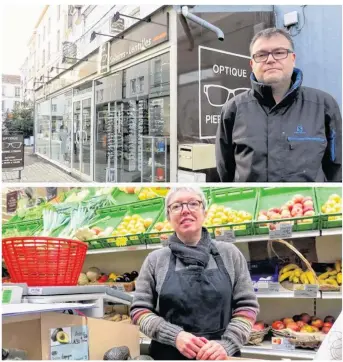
[106, 218]
[332, 219]
[74, 198]
[27, 228]
[101, 197]
[137, 194]
[152, 236]
[242, 201]
[143, 212]
[275, 197]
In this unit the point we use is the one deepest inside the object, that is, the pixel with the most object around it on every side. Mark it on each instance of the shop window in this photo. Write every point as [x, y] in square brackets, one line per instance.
[17, 91]
[61, 129]
[133, 86]
[43, 127]
[3, 90]
[131, 104]
[141, 84]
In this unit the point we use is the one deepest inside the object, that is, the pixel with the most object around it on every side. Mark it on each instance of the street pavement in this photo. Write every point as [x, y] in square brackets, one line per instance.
[37, 170]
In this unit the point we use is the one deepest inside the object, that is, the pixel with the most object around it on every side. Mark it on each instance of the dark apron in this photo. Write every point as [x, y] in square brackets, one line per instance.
[196, 299]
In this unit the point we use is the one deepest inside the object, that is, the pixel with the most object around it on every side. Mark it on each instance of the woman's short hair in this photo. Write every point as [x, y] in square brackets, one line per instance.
[196, 190]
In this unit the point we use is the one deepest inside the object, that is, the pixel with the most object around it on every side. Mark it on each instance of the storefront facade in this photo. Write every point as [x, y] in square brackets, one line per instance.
[108, 118]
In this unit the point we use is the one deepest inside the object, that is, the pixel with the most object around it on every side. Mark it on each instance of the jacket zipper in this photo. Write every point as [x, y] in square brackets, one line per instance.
[316, 139]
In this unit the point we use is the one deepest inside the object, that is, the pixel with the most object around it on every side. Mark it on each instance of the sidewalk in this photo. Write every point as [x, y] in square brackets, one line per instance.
[37, 170]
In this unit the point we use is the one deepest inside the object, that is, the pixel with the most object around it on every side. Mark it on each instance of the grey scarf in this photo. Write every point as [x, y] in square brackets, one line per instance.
[192, 255]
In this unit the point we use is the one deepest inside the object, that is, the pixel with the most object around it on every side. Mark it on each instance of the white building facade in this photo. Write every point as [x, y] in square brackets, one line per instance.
[11, 92]
[94, 112]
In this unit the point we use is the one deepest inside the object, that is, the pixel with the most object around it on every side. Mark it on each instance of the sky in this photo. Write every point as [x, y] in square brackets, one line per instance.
[17, 24]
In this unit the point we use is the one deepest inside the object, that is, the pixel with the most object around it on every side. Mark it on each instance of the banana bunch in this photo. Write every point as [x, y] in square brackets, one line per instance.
[332, 276]
[296, 275]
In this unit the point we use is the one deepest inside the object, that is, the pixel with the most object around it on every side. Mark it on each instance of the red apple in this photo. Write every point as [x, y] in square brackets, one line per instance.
[329, 319]
[275, 216]
[277, 325]
[270, 213]
[284, 207]
[285, 321]
[308, 203]
[298, 199]
[298, 205]
[307, 198]
[328, 324]
[296, 212]
[285, 213]
[293, 326]
[317, 323]
[307, 208]
[305, 318]
[309, 213]
[301, 324]
[290, 205]
[326, 330]
[262, 218]
[263, 212]
[272, 227]
[258, 326]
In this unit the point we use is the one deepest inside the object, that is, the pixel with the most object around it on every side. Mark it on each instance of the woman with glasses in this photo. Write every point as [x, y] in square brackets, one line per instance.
[194, 298]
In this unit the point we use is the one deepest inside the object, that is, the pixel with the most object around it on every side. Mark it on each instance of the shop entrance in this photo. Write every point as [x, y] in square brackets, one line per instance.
[82, 136]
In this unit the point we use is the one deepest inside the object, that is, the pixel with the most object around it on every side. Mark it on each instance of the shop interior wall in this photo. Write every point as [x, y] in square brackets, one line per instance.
[318, 47]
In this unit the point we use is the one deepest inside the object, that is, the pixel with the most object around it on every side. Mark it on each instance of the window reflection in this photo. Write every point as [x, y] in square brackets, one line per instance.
[43, 128]
[129, 105]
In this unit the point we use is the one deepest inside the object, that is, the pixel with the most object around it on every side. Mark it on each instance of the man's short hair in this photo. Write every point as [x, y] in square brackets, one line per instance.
[268, 33]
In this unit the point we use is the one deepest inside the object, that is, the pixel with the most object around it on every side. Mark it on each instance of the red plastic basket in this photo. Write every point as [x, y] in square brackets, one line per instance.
[43, 261]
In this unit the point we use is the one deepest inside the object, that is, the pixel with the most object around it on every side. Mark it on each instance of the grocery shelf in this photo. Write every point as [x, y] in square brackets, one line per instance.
[116, 250]
[288, 294]
[331, 295]
[265, 349]
[333, 231]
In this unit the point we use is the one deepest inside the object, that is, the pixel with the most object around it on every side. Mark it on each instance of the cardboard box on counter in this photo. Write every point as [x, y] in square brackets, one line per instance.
[32, 333]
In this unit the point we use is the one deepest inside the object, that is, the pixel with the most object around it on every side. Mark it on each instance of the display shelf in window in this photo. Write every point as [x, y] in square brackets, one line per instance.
[154, 159]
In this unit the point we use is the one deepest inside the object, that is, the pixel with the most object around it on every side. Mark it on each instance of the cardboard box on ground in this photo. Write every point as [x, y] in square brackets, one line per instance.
[32, 334]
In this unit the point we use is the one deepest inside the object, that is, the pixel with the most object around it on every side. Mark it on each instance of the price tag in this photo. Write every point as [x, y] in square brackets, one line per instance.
[35, 291]
[229, 236]
[268, 287]
[226, 235]
[282, 343]
[282, 231]
[120, 288]
[307, 291]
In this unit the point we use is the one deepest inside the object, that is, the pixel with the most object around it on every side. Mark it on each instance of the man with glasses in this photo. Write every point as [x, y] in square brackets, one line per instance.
[279, 130]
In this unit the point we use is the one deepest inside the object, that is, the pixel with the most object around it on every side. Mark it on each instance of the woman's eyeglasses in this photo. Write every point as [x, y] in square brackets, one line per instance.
[177, 207]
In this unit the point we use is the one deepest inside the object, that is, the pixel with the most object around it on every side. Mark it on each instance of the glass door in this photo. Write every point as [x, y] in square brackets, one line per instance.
[82, 138]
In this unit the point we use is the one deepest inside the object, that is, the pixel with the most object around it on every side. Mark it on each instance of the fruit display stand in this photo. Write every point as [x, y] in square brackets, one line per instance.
[330, 215]
[231, 209]
[120, 217]
[274, 305]
[277, 200]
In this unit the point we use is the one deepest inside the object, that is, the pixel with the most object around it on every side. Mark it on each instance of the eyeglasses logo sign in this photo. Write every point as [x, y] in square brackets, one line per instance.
[12, 151]
[222, 76]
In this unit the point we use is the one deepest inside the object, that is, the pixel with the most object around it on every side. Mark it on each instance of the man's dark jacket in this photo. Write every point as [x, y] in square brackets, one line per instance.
[296, 140]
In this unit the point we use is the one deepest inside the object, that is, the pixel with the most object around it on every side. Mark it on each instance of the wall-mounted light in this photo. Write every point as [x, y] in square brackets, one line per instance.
[52, 69]
[64, 58]
[117, 16]
[121, 37]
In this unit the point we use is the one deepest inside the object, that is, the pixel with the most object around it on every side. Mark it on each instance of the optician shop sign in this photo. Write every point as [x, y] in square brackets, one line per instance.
[13, 151]
[141, 37]
[222, 75]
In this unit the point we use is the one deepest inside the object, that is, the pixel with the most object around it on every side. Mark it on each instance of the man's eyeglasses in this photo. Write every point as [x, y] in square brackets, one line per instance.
[177, 207]
[277, 54]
